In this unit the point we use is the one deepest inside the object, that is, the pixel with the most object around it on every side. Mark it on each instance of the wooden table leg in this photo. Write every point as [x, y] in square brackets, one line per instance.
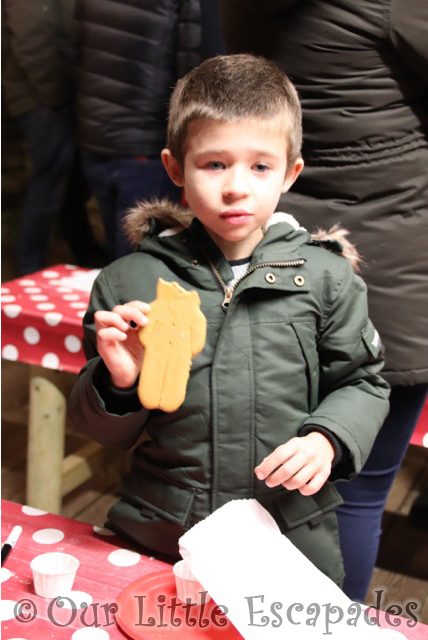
[46, 438]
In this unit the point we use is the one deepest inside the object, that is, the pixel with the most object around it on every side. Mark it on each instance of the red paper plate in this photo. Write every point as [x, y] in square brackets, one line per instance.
[146, 611]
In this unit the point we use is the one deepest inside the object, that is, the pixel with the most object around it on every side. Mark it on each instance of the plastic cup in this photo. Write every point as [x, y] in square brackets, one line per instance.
[54, 573]
[188, 586]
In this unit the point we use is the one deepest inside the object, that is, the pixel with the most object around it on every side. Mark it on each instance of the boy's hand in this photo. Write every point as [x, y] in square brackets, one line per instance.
[302, 463]
[118, 343]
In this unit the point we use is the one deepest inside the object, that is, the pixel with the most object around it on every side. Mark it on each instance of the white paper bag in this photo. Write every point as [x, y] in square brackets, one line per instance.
[269, 588]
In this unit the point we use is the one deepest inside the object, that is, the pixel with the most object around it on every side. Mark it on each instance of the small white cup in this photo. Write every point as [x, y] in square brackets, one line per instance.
[187, 585]
[54, 573]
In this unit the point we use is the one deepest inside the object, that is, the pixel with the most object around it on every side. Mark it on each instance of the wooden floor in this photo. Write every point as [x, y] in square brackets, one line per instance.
[402, 567]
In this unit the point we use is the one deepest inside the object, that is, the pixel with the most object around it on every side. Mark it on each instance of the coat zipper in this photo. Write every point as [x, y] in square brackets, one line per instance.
[229, 291]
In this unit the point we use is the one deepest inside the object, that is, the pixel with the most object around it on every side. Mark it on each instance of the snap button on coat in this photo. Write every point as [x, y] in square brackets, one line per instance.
[270, 277]
[299, 281]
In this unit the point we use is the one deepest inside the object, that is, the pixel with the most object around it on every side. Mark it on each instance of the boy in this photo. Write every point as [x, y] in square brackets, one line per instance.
[286, 393]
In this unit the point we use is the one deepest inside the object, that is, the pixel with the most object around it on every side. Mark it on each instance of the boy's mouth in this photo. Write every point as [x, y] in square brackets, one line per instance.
[235, 216]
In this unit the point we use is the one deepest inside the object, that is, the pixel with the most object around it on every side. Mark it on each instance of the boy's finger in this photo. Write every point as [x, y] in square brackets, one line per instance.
[109, 319]
[286, 471]
[276, 458]
[300, 479]
[131, 313]
[314, 485]
[144, 307]
[111, 334]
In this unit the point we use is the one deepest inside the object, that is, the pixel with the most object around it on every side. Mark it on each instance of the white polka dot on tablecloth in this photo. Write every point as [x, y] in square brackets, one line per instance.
[425, 440]
[48, 536]
[123, 558]
[81, 314]
[50, 361]
[32, 511]
[72, 344]
[70, 266]
[64, 290]
[12, 310]
[31, 335]
[71, 296]
[53, 318]
[90, 633]
[5, 574]
[78, 305]
[27, 283]
[10, 352]
[103, 531]
[8, 609]
[55, 282]
[45, 306]
[39, 298]
[5, 290]
[80, 274]
[5, 299]
[50, 274]
[32, 290]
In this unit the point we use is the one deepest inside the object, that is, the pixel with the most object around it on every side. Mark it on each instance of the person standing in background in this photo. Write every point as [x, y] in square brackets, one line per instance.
[361, 71]
[212, 42]
[38, 89]
[129, 56]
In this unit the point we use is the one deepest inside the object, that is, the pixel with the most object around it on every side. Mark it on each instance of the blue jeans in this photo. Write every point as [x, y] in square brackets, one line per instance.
[55, 187]
[118, 183]
[360, 517]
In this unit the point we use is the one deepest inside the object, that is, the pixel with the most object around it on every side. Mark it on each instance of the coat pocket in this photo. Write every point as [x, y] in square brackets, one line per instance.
[310, 523]
[153, 512]
[307, 341]
[295, 509]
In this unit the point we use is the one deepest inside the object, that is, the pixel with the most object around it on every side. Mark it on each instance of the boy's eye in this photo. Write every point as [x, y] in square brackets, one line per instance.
[215, 165]
[261, 167]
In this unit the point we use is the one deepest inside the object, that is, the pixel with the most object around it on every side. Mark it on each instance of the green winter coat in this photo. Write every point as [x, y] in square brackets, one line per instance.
[294, 347]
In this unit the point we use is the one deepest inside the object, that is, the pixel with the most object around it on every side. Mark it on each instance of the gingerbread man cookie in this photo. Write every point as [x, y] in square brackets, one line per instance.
[175, 333]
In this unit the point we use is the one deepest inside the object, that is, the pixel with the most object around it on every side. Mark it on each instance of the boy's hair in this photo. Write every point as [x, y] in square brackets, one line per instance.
[230, 88]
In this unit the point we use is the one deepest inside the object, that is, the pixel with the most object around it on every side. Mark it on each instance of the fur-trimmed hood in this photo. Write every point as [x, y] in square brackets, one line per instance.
[173, 217]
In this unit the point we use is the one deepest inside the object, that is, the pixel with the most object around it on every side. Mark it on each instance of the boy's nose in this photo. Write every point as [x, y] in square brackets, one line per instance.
[235, 184]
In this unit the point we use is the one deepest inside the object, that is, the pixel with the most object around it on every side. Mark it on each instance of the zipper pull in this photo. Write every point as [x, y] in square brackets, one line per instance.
[228, 293]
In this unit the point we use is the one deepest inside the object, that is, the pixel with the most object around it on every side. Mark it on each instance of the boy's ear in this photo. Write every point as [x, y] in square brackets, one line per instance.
[172, 167]
[292, 174]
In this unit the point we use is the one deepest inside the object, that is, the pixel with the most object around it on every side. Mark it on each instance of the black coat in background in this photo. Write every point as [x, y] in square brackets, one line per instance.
[361, 69]
[129, 54]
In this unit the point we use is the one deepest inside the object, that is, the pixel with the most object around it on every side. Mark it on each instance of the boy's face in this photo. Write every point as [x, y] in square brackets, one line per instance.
[234, 174]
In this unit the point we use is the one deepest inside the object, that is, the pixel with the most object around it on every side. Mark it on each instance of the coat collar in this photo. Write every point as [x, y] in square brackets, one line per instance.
[162, 218]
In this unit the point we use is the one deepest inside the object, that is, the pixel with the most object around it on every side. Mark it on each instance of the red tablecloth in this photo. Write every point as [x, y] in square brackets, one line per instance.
[106, 568]
[42, 319]
[420, 435]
